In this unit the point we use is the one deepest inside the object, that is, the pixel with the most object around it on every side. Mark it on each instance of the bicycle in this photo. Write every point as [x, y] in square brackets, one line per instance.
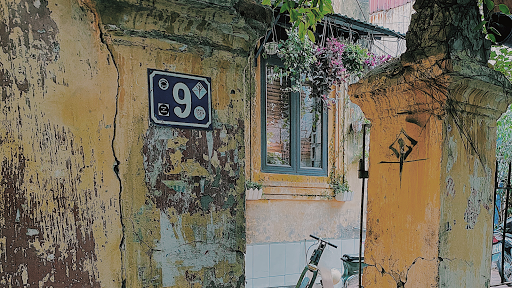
[351, 269]
[307, 280]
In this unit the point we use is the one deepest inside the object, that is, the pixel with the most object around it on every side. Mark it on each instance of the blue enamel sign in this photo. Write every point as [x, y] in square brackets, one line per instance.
[182, 100]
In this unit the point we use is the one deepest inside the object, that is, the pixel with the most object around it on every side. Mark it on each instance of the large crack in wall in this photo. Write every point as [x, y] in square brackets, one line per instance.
[401, 277]
[183, 212]
[106, 42]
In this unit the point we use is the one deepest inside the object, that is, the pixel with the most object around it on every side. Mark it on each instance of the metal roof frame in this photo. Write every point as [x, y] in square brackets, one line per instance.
[363, 27]
[351, 24]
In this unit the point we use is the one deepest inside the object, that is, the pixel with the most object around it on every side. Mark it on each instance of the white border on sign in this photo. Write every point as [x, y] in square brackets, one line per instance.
[151, 99]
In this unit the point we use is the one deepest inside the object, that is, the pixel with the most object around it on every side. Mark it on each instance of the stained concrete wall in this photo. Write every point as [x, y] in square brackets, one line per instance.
[433, 114]
[357, 9]
[93, 193]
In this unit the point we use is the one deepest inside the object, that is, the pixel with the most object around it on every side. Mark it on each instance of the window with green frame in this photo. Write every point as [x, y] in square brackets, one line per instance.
[294, 126]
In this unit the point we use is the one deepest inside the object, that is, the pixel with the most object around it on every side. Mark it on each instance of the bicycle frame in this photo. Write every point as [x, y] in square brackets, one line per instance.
[313, 263]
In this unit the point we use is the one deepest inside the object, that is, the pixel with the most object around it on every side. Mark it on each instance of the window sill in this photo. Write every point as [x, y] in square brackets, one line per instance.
[294, 187]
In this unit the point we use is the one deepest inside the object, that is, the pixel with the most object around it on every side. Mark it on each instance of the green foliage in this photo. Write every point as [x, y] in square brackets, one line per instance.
[298, 57]
[338, 184]
[489, 4]
[354, 58]
[490, 32]
[504, 141]
[304, 14]
[501, 58]
[321, 67]
[253, 185]
[503, 8]
[504, 131]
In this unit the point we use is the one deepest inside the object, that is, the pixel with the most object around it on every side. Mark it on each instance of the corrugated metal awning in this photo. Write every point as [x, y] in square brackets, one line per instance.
[361, 27]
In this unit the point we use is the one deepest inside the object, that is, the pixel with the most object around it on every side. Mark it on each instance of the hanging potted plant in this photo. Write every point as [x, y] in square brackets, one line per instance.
[271, 48]
[321, 67]
[329, 69]
[298, 57]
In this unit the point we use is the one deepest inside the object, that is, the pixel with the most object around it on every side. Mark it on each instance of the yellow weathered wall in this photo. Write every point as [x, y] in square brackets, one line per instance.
[294, 206]
[182, 193]
[467, 182]
[59, 194]
[93, 193]
[431, 226]
[403, 211]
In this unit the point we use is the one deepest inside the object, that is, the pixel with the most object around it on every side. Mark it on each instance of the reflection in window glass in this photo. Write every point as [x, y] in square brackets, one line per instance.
[278, 119]
[310, 129]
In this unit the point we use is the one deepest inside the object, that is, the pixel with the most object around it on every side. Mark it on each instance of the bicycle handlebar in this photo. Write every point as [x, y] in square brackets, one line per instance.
[320, 239]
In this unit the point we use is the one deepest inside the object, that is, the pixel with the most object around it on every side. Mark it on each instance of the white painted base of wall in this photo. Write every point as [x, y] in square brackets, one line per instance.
[280, 264]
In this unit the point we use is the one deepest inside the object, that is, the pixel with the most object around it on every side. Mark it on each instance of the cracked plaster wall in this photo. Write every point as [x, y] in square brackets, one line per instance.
[182, 189]
[92, 193]
[442, 94]
[59, 195]
[429, 225]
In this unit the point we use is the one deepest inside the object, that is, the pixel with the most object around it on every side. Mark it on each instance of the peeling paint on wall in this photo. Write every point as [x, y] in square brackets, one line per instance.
[58, 192]
[91, 192]
[479, 197]
[185, 249]
[192, 177]
[192, 171]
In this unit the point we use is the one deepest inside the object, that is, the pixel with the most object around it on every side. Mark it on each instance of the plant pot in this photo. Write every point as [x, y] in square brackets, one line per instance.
[503, 24]
[345, 196]
[271, 48]
[253, 194]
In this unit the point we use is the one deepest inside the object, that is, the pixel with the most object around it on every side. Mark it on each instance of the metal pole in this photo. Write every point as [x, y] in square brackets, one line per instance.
[505, 226]
[364, 176]
[495, 189]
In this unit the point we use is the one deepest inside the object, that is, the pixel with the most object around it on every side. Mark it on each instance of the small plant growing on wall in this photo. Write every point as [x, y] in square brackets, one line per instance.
[340, 188]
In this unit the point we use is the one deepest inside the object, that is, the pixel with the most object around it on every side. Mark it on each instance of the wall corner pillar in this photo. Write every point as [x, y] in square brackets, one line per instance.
[432, 154]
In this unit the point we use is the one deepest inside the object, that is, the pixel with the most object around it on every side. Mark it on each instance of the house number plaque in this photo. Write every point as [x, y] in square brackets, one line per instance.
[180, 100]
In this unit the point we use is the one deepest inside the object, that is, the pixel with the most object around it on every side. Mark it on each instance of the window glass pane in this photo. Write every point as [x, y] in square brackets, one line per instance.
[278, 119]
[310, 129]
